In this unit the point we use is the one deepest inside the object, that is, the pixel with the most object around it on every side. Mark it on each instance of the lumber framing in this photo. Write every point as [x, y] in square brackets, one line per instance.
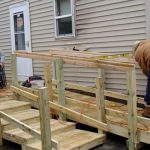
[77, 61]
[100, 102]
[26, 128]
[61, 103]
[14, 69]
[60, 86]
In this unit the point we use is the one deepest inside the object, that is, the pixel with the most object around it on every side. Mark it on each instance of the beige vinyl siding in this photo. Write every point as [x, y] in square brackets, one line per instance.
[101, 25]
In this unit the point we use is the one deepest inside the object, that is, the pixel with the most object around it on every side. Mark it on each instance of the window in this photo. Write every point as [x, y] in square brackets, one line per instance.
[64, 18]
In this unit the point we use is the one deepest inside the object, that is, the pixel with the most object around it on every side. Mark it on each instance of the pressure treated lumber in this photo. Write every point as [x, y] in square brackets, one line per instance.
[132, 109]
[100, 102]
[14, 69]
[24, 93]
[108, 93]
[79, 117]
[72, 140]
[44, 119]
[77, 61]
[48, 80]
[60, 86]
[1, 133]
[19, 136]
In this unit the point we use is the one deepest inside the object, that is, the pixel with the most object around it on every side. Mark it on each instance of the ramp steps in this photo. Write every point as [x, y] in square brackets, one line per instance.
[72, 140]
[20, 137]
[69, 137]
[13, 105]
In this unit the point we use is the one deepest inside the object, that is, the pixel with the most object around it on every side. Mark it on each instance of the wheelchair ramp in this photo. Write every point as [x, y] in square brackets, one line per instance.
[65, 133]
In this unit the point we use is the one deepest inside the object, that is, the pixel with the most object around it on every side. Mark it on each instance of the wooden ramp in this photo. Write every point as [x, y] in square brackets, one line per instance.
[65, 133]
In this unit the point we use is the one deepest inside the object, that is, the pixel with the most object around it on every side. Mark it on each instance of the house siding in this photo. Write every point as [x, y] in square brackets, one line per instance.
[101, 26]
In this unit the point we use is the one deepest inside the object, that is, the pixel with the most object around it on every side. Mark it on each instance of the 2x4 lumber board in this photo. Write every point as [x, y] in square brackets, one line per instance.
[94, 64]
[13, 106]
[91, 56]
[70, 103]
[24, 93]
[79, 117]
[100, 102]
[79, 139]
[25, 127]
[6, 98]
[14, 69]
[20, 137]
[30, 90]
[48, 80]
[19, 124]
[60, 86]
[112, 94]
[84, 52]
[44, 119]
[132, 109]
[72, 53]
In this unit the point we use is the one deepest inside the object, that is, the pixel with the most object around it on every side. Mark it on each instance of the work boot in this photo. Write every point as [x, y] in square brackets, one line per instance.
[146, 112]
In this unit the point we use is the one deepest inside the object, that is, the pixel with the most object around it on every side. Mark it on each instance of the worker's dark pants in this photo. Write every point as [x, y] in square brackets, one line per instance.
[147, 96]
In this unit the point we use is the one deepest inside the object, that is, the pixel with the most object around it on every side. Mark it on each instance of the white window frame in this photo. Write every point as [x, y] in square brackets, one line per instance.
[64, 16]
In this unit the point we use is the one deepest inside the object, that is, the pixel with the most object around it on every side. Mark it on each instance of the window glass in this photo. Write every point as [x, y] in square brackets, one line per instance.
[19, 22]
[63, 7]
[20, 41]
[19, 31]
[64, 26]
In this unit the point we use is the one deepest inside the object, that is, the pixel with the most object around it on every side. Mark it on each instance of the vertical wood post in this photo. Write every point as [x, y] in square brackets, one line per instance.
[60, 86]
[44, 119]
[101, 74]
[53, 65]
[1, 133]
[100, 102]
[132, 109]
[14, 69]
[48, 80]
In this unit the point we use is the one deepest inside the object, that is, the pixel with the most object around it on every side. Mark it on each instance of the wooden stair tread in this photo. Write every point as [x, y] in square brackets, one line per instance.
[12, 104]
[19, 136]
[74, 139]
[23, 115]
[6, 98]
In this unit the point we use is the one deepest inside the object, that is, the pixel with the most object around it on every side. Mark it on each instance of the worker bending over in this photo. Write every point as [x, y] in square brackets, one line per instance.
[142, 56]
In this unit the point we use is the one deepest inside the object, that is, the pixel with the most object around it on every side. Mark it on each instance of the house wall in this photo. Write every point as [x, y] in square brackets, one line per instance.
[101, 25]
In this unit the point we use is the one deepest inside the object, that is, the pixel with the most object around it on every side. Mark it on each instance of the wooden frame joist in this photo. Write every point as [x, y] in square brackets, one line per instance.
[86, 62]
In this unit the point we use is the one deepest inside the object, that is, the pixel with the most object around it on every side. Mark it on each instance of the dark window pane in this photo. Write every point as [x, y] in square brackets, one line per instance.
[18, 22]
[63, 7]
[20, 41]
[64, 26]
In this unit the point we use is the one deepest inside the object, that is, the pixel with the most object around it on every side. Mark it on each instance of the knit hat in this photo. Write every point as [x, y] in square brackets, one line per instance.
[135, 46]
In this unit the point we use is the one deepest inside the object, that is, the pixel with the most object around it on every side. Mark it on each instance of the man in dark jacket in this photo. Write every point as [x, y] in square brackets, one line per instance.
[142, 56]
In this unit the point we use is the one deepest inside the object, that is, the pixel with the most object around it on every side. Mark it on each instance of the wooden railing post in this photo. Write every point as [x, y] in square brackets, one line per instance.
[60, 86]
[14, 70]
[1, 133]
[44, 119]
[100, 102]
[132, 109]
[48, 80]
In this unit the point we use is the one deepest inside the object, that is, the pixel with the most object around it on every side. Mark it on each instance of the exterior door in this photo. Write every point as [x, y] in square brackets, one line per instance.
[20, 37]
